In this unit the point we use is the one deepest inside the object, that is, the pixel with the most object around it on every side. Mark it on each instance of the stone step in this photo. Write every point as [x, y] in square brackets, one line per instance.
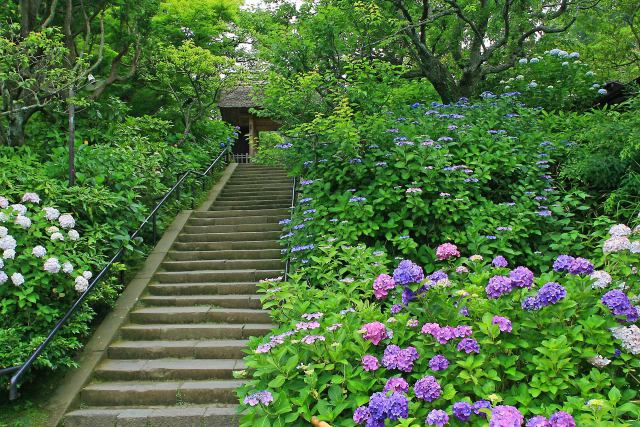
[140, 393]
[252, 254]
[210, 288]
[258, 180]
[226, 246]
[192, 331]
[240, 213]
[226, 301]
[237, 264]
[167, 369]
[249, 205]
[240, 236]
[260, 176]
[255, 194]
[216, 276]
[257, 200]
[216, 415]
[241, 188]
[197, 314]
[238, 220]
[235, 228]
[158, 349]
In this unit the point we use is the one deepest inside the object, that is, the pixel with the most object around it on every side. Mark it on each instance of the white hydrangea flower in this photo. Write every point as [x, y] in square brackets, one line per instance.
[31, 198]
[519, 77]
[619, 230]
[87, 275]
[67, 267]
[599, 361]
[52, 265]
[4, 203]
[630, 337]
[589, 74]
[563, 54]
[533, 84]
[602, 279]
[534, 60]
[73, 235]
[523, 61]
[636, 229]
[52, 229]
[3, 217]
[554, 52]
[39, 251]
[574, 55]
[507, 87]
[635, 247]
[3, 232]
[81, 284]
[550, 87]
[616, 244]
[3, 277]
[595, 86]
[1, 263]
[17, 279]
[9, 254]
[57, 236]
[602, 91]
[21, 209]
[565, 64]
[8, 242]
[22, 221]
[51, 213]
[66, 221]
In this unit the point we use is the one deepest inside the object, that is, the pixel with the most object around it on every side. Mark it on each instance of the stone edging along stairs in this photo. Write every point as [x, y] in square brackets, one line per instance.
[171, 364]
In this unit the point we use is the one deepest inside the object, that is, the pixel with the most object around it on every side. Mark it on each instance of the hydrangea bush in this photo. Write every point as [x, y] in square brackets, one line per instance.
[43, 268]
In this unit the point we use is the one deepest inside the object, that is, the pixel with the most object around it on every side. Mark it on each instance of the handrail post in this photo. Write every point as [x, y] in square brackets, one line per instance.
[155, 227]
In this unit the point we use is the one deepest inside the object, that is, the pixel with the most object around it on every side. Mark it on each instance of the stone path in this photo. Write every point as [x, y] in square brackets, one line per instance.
[172, 364]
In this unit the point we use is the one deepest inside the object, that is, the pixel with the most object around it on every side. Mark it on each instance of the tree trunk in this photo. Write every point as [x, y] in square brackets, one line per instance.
[16, 123]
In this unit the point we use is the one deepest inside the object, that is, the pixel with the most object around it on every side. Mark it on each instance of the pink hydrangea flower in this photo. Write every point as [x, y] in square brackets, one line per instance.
[382, 285]
[446, 251]
[374, 332]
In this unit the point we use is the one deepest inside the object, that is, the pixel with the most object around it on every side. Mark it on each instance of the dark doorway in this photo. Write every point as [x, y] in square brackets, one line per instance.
[242, 144]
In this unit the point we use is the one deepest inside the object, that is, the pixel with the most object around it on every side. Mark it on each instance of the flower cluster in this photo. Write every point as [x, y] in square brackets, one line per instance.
[620, 305]
[382, 285]
[401, 359]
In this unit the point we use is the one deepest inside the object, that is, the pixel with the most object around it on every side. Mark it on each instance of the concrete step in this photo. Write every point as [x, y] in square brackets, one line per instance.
[197, 314]
[226, 301]
[207, 288]
[167, 369]
[216, 276]
[226, 331]
[236, 228]
[216, 415]
[236, 264]
[240, 213]
[276, 181]
[158, 349]
[140, 393]
[256, 194]
[240, 236]
[241, 188]
[237, 220]
[226, 246]
[252, 254]
[249, 205]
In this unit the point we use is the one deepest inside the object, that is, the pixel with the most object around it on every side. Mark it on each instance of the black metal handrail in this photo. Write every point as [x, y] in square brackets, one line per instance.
[21, 369]
[293, 204]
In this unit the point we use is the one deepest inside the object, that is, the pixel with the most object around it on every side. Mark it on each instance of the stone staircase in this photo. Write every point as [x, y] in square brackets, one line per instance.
[173, 361]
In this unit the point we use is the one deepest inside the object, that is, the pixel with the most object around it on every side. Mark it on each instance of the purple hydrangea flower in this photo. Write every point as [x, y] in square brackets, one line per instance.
[407, 272]
[521, 277]
[479, 405]
[580, 266]
[361, 414]
[462, 410]
[264, 397]
[562, 419]
[531, 303]
[503, 416]
[397, 406]
[563, 262]
[498, 286]
[438, 418]
[538, 421]
[370, 363]
[401, 359]
[551, 293]
[438, 363]
[620, 305]
[499, 261]
[438, 275]
[503, 323]
[396, 308]
[396, 384]
[427, 389]
[469, 345]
